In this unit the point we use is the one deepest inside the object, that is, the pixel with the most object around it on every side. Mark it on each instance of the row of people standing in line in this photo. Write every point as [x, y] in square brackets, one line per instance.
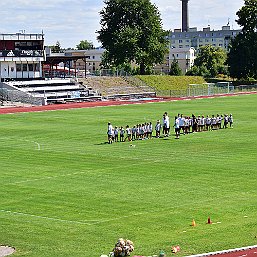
[185, 124]
[137, 132]
[197, 124]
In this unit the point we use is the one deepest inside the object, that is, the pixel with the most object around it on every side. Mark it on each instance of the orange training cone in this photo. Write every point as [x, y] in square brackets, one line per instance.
[209, 221]
[193, 223]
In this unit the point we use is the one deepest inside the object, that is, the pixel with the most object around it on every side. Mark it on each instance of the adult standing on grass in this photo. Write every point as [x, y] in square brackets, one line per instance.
[177, 126]
[230, 120]
[110, 133]
[166, 124]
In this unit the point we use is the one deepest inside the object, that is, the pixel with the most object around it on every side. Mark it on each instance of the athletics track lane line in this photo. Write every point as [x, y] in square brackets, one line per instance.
[67, 106]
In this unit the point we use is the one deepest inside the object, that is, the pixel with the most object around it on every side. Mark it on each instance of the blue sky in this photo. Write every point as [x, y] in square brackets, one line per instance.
[70, 21]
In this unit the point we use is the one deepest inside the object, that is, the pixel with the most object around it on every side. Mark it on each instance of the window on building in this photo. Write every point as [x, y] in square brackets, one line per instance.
[180, 41]
[206, 40]
[180, 46]
[221, 45]
[18, 67]
[24, 67]
[30, 66]
[36, 67]
[93, 57]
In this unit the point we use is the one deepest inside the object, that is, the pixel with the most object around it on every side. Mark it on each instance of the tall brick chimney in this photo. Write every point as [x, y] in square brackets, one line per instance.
[185, 23]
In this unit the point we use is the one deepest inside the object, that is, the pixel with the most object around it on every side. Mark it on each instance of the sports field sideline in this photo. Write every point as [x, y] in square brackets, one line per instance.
[65, 192]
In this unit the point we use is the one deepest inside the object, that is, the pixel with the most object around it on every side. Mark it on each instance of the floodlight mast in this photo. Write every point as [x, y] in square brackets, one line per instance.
[185, 20]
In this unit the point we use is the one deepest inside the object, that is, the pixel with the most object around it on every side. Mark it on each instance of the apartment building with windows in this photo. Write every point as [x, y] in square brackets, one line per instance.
[195, 38]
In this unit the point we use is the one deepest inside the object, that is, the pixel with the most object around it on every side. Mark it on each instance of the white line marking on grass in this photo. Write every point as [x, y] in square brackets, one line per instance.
[38, 147]
[46, 218]
[46, 178]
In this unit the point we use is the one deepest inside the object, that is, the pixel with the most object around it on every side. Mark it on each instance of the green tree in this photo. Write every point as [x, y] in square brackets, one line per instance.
[175, 70]
[85, 45]
[212, 58]
[55, 48]
[242, 57]
[199, 71]
[131, 31]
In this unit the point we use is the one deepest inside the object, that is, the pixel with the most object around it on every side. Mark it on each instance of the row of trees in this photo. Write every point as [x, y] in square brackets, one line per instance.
[131, 31]
[83, 45]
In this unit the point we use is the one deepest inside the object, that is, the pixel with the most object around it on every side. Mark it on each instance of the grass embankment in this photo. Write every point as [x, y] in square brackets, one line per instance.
[160, 82]
[64, 192]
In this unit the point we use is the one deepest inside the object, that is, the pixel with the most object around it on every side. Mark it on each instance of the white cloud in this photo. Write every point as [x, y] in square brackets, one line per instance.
[70, 21]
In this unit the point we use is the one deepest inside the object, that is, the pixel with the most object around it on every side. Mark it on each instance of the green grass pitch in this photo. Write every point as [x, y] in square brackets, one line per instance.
[64, 192]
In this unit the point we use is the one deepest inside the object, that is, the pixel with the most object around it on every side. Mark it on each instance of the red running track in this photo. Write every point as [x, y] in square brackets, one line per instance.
[250, 251]
[66, 106]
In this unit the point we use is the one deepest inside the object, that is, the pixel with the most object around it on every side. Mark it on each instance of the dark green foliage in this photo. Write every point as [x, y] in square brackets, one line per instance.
[131, 31]
[242, 58]
[175, 70]
[85, 45]
[209, 61]
[199, 71]
[56, 48]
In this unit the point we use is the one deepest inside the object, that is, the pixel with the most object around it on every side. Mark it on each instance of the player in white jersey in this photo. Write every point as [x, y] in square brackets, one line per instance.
[150, 130]
[122, 133]
[181, 123]
[213, 122]
[116, 134]
[202, 121]
[225, 121]
[230, 120]
[186, 123]
[110, 133]
[134, 132]
[177, 127]
[218, 121]
[208, 122]
[128, 131]
[158, 129]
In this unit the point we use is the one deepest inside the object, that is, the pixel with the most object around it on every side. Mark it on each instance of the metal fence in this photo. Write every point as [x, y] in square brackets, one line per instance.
[206, 89]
